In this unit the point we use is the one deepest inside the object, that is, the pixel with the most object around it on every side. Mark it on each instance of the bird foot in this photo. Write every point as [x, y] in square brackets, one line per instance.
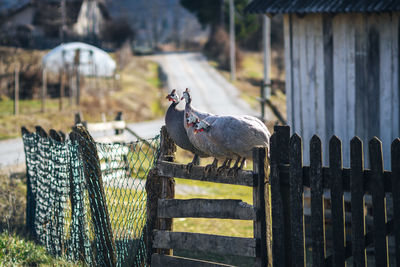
[222, 169]
[209, 168]
[234, 171]
[189, 167]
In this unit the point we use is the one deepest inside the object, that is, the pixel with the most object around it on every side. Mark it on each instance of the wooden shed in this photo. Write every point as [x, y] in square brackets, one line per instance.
[342, 69]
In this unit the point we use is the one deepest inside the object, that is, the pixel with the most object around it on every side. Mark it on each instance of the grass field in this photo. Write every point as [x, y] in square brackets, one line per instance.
[137, 93]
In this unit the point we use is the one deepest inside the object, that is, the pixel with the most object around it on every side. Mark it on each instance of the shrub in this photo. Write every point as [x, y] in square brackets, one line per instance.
[217, 48]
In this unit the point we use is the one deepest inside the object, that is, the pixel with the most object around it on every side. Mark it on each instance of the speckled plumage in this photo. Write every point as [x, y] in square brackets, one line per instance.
[231, 136]
[174, 123]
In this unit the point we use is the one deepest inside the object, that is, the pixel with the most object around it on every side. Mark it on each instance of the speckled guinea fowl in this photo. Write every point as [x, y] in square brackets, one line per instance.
[231, 136]
[174, 122]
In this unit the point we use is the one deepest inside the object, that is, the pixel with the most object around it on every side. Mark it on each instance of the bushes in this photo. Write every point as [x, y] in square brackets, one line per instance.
[217, 48]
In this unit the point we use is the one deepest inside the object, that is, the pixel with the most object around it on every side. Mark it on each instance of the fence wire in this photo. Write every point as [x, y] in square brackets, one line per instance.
[70, 217]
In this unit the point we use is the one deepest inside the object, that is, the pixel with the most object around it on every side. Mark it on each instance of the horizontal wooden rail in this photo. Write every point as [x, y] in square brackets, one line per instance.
[284, 171]
[225, 245]
[104, 126]
[206, 208]
[170, 169]
[160, 260]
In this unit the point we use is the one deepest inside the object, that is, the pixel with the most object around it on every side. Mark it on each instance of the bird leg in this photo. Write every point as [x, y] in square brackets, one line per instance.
[195, 161]
[211, 166]
[225, 165]
[236, 167]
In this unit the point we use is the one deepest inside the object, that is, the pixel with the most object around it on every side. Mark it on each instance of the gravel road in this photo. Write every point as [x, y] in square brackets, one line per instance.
[210, 91]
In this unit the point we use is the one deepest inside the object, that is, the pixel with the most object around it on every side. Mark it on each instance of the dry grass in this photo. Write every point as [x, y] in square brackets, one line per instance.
[138, 94]
[249, 78]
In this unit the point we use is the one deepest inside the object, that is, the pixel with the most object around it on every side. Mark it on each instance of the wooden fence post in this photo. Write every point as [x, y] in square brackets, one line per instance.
[262, 205]
[357, 202]
[44, 89]
[281, 196]
[378, 202]
[119, 117]
[16, 92]
[159, 187]
[395, 155]
[317, 203]
[296, 201]
[62, 89]
[337, 202]
[97, 199]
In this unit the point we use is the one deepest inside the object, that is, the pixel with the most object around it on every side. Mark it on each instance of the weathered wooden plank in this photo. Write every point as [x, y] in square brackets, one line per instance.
[395, 26]
[361, 43]
[395, 155]
[338, 219]
[378, 203]
[105, 126]
[161, 260]
[226, 245]
[277, 215]
[373, 77]
[167, 152]
[317, 203]
[287, 33]
[385, 84]
[328, 77]
[284, 177]
[340, 75]
[261, 203]
[358, 229]
[350, 90]
[206, 208]
[296, 201]
[307, 81]
[282, 147]
[296, 78]
[197, 173]
[320, 108]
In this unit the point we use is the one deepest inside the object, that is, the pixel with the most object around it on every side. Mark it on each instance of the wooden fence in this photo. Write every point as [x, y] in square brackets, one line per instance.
[288, 180]
[162, 208]
[345, 209]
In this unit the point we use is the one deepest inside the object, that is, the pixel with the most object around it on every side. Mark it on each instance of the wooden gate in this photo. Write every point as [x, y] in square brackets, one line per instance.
[162, 207]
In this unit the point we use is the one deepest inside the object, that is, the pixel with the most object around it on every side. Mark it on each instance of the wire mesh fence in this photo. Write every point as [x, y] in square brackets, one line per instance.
[87, 200]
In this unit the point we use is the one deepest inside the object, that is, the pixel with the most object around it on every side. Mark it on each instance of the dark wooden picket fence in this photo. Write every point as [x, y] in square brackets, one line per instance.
[288, 180]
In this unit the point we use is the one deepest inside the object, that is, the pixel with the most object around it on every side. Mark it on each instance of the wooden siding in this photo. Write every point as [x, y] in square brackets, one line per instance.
[343, 78]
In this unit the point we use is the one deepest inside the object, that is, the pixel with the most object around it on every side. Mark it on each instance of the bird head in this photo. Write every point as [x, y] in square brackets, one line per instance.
[186, 96]
[173, 96]
[191, 119]
[201, 126]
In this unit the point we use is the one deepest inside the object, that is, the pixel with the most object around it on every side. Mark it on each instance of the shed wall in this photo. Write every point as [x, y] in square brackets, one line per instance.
[342, 78]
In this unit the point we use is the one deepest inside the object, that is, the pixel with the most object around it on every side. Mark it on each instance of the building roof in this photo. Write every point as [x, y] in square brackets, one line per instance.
[321, 6]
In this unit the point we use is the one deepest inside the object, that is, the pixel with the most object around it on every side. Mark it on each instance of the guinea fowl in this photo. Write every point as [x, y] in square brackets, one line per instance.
[207, 144]
[174, 122]
[189, 109]
[235, 135]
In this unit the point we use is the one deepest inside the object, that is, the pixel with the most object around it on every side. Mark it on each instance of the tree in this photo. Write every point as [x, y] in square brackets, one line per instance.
[210, 13]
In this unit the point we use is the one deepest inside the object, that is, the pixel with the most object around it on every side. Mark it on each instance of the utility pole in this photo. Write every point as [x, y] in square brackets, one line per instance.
[63, 21]
[265, 88]
[267, 55]
[232, 39]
